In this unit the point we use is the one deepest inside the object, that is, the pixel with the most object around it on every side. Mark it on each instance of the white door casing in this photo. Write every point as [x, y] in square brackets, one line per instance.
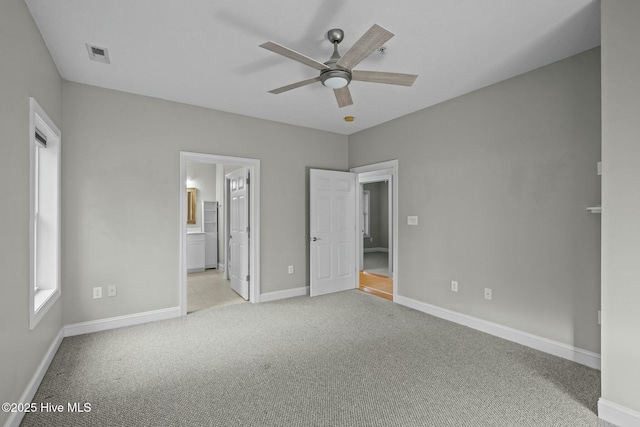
[333, 231]
[239, 231]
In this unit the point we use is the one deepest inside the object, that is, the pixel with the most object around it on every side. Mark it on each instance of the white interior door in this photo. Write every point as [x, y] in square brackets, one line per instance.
[238, 251]
[333, 231]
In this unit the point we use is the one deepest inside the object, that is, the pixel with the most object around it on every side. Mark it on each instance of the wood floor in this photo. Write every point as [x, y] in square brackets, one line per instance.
[377, 285]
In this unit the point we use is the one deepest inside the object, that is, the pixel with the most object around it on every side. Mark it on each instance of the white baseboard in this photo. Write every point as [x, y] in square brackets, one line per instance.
[556, 348]
[289, 293]
[120, 321]
[221, 267]
[367, 250]
[15, 418]
[618, 414]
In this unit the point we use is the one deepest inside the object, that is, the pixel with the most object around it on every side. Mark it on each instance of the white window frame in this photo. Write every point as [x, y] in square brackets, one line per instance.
[43, 293]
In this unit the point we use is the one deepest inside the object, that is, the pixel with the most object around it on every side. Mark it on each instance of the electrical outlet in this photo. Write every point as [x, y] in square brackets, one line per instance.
[111, 291]
[291, 269]
[97, 292]
[454, 286]
[488, 293]
[412, 220]
[599, 317]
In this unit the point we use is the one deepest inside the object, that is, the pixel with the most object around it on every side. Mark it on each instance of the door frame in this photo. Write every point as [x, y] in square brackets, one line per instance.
[373, 173]
[254, 220]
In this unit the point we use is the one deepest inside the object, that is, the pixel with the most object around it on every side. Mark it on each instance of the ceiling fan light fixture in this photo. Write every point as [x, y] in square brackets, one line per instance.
[335, 79]
[336, 82]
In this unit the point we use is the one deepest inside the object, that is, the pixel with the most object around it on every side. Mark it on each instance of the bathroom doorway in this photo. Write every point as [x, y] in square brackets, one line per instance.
[205, 232]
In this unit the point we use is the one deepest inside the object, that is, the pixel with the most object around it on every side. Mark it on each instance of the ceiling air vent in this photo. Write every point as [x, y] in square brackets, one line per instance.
[99, 54]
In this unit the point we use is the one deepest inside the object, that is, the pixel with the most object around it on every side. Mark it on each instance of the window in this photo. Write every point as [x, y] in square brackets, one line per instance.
[366, 217]
[44, 232]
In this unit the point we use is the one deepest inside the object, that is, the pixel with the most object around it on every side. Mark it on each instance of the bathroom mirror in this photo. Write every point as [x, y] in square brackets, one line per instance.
[191, 205]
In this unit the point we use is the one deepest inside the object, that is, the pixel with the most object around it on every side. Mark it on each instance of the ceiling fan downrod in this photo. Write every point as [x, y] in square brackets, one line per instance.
[335, 77]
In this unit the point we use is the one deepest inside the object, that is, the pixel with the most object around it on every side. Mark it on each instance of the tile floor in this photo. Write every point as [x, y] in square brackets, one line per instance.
[209, 289]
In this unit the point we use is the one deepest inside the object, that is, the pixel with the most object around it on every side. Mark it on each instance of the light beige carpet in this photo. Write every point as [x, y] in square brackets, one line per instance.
[345, 359]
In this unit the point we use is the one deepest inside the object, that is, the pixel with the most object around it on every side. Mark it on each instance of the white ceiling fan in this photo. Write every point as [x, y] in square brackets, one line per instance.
[338, 71]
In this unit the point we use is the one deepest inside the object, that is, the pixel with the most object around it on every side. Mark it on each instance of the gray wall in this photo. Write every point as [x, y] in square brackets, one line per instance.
[621, 202]
[26, 69]
[500, 180]
[121, 200]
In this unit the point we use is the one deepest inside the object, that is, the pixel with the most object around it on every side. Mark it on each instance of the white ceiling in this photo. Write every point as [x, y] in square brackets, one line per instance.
[206, 52]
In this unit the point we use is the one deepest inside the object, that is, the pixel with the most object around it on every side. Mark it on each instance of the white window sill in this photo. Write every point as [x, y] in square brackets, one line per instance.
[43, 300]
[41, 297]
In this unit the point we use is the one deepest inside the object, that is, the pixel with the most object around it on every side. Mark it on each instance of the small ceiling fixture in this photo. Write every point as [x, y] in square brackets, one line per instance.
[98, 54]
[349, 119]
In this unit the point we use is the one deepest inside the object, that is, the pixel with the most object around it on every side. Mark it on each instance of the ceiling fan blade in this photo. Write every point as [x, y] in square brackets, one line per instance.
[382, 77]
[365, 46]
[295, 85]
[292, 54]
[343, 96]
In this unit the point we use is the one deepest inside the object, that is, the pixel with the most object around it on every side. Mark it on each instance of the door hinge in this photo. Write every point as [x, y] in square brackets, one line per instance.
[248, 276]
[248, 181]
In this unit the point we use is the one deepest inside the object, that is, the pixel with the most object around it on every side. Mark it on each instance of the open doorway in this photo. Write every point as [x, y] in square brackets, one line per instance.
[210, 218]
[377, 210]
[376, 269]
